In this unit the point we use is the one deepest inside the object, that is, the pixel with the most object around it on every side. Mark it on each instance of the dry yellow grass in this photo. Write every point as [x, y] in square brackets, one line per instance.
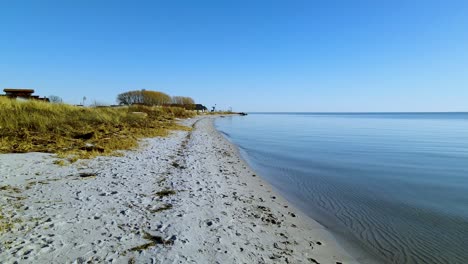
[80, 132]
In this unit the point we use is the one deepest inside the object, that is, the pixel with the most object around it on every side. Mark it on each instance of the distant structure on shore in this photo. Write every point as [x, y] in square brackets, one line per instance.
[200, 107]
[26, 94]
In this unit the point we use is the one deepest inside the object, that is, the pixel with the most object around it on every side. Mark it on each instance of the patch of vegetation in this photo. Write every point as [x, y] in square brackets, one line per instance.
[86, 175]
[10, 188]
[76, 132]
[32, 183]
[59, 162]
[175, 164]
[49, 201]
[154, 240]
[165, 193]
[5, 222]
[143, 247]
[162, 208]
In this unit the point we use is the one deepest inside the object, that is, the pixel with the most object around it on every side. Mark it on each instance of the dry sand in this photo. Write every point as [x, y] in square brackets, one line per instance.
[187, 198]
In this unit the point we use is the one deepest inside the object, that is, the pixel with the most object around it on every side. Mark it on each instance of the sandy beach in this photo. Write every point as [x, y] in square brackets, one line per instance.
[186, 198]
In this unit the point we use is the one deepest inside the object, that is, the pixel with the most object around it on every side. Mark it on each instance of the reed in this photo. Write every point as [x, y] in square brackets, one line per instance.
[81, 132]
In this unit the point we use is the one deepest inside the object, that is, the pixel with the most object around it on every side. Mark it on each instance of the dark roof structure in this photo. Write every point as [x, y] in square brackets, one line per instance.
[10, 91]
[200, 107]
[23, 93]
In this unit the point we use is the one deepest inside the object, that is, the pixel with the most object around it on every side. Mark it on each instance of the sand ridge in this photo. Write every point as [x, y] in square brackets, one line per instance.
[187, 198]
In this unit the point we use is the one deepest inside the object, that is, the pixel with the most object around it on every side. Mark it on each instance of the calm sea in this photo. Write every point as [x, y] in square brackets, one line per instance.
[393, 186]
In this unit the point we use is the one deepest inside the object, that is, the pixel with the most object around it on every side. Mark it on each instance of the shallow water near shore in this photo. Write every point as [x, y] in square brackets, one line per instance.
[393, 185]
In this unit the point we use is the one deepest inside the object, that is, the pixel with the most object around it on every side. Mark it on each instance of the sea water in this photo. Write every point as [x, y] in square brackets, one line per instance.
[392, 185]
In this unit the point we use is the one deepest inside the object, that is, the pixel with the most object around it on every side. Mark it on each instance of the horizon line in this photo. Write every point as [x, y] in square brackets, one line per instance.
[362, 112]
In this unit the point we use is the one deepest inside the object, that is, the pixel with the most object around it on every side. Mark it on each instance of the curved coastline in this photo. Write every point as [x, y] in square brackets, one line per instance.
[391, 186]
[188, 197]
[344, 242]
[310, 225]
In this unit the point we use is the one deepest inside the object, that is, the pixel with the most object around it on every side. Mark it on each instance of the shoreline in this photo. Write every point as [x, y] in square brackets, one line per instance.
[356, 249]
[189, 197]
[350, 246]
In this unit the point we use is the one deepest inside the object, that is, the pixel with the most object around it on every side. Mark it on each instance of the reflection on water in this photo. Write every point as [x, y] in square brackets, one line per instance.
[394, 184]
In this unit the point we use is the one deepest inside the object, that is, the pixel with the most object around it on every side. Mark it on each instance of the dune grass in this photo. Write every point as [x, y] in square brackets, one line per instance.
[80, 132]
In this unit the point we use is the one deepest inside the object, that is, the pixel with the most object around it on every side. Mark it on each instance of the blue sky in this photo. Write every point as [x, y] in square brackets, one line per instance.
[245, 54]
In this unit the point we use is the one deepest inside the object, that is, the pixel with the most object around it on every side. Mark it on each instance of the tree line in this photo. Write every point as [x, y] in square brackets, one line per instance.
[147, 97]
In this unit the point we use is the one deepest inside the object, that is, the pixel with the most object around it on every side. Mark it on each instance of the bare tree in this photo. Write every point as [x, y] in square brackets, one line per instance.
[131, 97]
[144, 97]
[155, 98]
[182, 100]
[55, 99]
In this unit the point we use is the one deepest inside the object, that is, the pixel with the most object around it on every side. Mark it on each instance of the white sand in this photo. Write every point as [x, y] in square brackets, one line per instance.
[221, 212]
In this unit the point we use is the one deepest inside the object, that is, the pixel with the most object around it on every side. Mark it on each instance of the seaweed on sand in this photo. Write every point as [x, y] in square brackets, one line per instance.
[154, 241]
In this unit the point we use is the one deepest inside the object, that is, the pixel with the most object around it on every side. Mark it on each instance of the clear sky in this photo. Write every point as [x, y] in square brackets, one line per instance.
[264, 55]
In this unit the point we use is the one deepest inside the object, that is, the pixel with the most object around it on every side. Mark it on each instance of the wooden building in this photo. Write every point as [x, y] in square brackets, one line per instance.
[23, 94]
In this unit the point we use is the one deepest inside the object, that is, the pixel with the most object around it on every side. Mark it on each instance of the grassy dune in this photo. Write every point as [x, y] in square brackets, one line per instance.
[78, 132]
